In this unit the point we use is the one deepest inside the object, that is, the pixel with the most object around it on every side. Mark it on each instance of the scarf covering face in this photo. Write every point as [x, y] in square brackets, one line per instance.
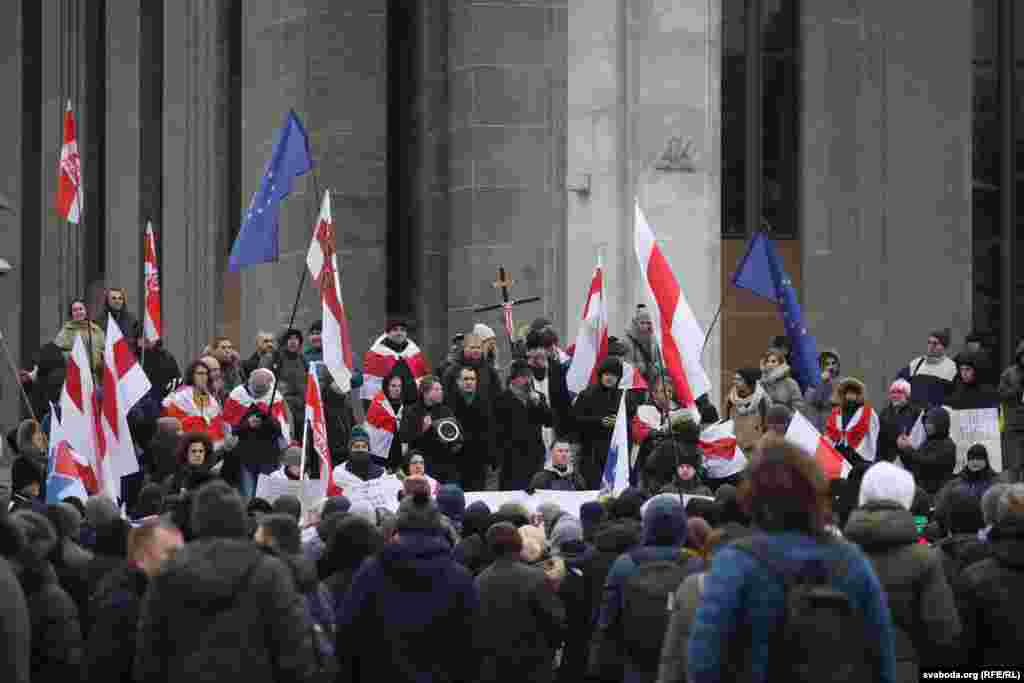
[749, 405]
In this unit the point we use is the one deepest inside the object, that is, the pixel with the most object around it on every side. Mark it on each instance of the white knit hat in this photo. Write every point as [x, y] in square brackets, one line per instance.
[483, 332]
[885, 481]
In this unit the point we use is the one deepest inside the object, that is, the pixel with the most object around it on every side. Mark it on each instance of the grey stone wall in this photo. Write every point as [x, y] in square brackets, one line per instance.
[507, 71]
[327, 61]
[886, 178]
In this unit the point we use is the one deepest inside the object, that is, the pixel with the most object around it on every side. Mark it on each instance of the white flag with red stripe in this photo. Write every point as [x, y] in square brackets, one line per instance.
[722, 455]
[68, 473]
[69, 173]
[80, 411]
[591, 346]
[152, 328]
[382, 425]
[380, 360]
[677, 330]
[322, 261]
[124, 383]
[803, 435]
[316, 428]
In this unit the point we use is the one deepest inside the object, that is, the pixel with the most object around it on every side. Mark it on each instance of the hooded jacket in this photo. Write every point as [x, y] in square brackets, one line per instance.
[593, 404]
[932, 464]
[924, 613]
[1011, 392]
[409, 615]
[664, 534]
[226, 609]
[989, 595]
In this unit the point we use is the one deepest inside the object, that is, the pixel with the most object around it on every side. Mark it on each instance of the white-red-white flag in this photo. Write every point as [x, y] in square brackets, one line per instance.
[591, 346]
[677, 330]
[322, 260]
[124, 384]
[802, 434]
[722, 455]
[79, 410]
[152, 328]
[69, 173]
[316, 429]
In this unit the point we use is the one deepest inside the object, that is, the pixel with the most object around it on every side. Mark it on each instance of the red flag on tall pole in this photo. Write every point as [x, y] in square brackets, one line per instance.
[322, 261]
[69, 174]
[152, 328]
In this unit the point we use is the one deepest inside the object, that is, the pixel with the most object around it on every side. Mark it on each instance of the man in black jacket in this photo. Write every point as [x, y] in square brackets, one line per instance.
[110, 648]
[222, 606]
[475, 412]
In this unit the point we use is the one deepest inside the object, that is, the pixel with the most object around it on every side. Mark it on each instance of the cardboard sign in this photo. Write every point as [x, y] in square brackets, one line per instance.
[381, 492]
[308, 491]
[968, 427]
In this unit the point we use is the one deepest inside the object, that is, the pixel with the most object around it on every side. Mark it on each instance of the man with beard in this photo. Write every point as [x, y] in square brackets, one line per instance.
[594, 411]
[522, 412]
[641, 347]
[488, 384]
[418, 432]
[476, 417]
[117, 308]
[263, 356]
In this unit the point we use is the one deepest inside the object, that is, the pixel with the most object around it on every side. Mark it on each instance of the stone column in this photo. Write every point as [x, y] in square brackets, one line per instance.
[11, 200]
[124, 231]
[644, 123]
[507, 83]
[194, 238]
[62, 275]
[886, 153]
[327, 60]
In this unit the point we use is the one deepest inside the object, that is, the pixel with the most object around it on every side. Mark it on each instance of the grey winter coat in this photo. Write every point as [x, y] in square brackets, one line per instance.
[924, 613]
[782, 388]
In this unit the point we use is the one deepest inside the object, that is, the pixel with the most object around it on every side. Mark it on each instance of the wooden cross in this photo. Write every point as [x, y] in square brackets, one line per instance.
[503, 283]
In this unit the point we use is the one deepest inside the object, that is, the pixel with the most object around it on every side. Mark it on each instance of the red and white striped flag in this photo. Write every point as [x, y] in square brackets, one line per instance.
[678, 332]
[239, 401]
[591, 346]
[802, 434]
[79, 410]
[382, 425]
[316, 428]
[322, 260]
[69, 173]
[124, 383]
[152, 328]
[722, 455]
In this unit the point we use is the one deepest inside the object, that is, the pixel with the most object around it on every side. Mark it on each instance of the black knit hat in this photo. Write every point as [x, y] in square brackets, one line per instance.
[218, 512]
[418, 513]
[610, 365]
[750, 376]
[317, 327]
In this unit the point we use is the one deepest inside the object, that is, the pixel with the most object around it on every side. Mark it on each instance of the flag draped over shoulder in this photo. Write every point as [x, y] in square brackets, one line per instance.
[679, 334]
[379, 360]
[257, 241]
[239, 401]
[761, 271]
[722, 455]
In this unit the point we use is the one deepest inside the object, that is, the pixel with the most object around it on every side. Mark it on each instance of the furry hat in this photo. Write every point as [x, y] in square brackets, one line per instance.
[848, 384]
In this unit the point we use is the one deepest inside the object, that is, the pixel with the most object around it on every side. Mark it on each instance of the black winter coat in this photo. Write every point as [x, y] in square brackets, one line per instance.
[592, 405]
[519, 625]
[110, 648]
[894, 422]
[478, 429]
[520, 440]
[258, 447]
[989, 595]
[224, 609]
[441, 462]
[15, 626]
[550, 479]
[932, 464]
[56, 630]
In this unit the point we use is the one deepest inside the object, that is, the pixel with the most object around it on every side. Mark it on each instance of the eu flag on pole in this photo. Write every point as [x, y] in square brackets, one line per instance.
[257, 241]
[760, 270]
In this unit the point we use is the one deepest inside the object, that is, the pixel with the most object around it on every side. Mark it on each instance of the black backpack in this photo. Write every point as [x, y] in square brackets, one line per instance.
[647, 601]
[822, 636]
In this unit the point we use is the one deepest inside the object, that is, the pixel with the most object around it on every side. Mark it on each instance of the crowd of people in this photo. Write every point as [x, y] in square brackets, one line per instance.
[692, 573]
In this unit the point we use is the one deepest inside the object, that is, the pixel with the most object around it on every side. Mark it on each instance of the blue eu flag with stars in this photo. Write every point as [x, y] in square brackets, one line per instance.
[761, 272]
[257, 241]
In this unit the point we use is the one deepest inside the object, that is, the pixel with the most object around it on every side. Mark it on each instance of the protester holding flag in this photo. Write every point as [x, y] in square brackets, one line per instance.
[256, 392]
[383, 420]
[394, 352]
[81, 327]
[194, 406]
[116, 306]
[594, 413]
[933, 462]
[642, 345]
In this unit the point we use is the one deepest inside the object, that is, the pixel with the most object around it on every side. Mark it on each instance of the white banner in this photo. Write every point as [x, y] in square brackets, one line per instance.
[568, 501]
[381, 492]
[308, 491]
[968, 427]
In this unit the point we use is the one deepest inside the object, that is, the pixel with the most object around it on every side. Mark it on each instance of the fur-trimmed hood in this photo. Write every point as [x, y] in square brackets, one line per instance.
[844, 385]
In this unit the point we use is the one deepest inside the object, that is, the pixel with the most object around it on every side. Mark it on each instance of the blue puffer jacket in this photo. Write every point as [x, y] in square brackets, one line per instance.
[740, 589]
